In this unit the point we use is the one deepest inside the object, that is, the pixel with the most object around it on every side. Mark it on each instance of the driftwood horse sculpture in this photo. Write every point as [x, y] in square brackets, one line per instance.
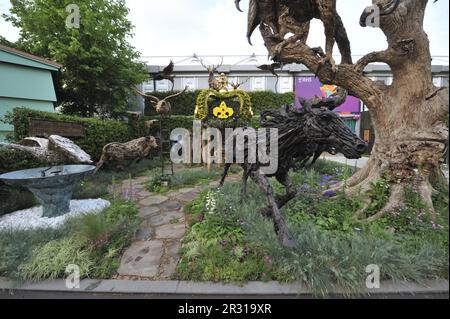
[302, 133]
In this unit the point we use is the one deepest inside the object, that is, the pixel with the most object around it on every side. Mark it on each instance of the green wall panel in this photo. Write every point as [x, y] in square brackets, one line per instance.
[17, 59]
[26, 83]
[8, 104]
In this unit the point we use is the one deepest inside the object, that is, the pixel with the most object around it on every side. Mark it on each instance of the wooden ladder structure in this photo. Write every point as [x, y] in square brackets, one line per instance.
[165, 145]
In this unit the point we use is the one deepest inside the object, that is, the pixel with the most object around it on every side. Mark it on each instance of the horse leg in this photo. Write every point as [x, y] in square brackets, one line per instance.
[224, 174]
[291, 192]
[244, 185]
[283, 233]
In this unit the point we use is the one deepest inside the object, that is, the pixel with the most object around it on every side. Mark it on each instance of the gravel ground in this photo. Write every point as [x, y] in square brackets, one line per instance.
[32, 218]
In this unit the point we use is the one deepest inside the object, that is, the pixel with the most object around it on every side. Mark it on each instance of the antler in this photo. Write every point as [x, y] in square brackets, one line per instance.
[211, 68]
[239, 84]
[154, 98]
[175, 95]
[236, 2]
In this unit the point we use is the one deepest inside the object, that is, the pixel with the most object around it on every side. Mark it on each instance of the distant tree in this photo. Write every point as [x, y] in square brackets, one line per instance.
[100, 66]
[5, 42]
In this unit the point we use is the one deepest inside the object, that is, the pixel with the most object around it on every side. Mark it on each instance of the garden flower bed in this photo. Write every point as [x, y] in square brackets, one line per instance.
[229, 241]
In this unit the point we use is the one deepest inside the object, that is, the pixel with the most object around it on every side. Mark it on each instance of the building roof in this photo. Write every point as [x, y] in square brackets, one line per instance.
[288, 68]
[28, 56]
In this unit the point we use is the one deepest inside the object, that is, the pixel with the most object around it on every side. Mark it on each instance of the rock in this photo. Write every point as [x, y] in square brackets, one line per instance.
[143, 234]
[70, 150]
[153, 200]
[186, 197]
[186, 190]
[173, 248]
[169, 268]
[165, 218]
[142, 259]
[145, 211]
[170, 231]
[171, 205]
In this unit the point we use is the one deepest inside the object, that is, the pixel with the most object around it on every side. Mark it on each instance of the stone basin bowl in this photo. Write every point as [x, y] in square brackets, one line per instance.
[53, 186]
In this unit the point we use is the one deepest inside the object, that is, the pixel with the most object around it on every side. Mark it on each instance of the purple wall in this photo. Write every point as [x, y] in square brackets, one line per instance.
[309, 86]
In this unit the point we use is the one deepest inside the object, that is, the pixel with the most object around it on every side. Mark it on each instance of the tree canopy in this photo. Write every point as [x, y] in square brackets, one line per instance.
[99, 65]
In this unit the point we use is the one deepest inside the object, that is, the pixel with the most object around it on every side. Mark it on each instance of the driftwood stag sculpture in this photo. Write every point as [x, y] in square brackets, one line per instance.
[301, 134]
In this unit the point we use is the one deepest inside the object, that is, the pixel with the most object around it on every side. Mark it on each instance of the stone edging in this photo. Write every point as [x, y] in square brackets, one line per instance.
[174, 288]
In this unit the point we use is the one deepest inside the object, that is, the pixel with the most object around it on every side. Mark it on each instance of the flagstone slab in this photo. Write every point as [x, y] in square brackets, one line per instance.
[186, 190]
[171, 205]
[165, 218]
[168, 270]
[142, 259]
[153, 200]
[147, 211]
[144, 234]
[170, 231]
[188, 197]
[173, 248]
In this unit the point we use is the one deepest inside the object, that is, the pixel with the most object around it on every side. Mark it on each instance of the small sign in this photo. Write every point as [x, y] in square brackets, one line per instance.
[45, 128]
[367, 135]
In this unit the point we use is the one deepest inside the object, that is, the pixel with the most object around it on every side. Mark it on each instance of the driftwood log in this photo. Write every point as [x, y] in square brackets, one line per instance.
[52, 151]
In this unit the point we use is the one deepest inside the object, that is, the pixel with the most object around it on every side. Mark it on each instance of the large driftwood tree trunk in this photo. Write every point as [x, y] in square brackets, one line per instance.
[407, 115]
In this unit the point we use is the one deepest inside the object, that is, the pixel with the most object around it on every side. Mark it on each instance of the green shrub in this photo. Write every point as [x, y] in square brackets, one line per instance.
[93, 242]
[13, 160]
[98, 132]
[332, 248]
[50, 260]
[185, 104]
[15, 198]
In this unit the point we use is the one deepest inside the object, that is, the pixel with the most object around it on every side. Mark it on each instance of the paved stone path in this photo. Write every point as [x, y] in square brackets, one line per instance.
[154, 253]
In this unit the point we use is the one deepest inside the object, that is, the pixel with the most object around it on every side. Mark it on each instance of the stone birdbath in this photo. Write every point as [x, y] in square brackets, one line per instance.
[52, 186]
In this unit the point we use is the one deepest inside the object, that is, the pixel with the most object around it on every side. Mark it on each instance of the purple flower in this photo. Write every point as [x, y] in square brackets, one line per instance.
[224, 242]
[326, 178]
[329, 193]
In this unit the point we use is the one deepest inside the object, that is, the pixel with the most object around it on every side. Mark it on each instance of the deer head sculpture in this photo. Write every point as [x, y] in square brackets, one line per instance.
[212, 69]
[238, 84]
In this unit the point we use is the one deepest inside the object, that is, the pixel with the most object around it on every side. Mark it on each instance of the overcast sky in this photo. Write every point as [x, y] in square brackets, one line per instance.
[215, 27]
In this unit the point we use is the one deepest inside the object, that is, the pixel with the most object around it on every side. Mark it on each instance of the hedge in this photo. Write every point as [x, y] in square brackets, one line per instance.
[98, 132]
[185, 104]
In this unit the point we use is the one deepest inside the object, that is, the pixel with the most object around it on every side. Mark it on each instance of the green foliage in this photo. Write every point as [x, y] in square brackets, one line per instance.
[98, 132]
[17, 246]
[214, 249]
[93, 242]
[267, 100]
[332, 248]
[99, 64]
[162, 184]
[50, 260]
[185, 104]
[379, 195]
[15, 198]
[205, 97]
[12, 160]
